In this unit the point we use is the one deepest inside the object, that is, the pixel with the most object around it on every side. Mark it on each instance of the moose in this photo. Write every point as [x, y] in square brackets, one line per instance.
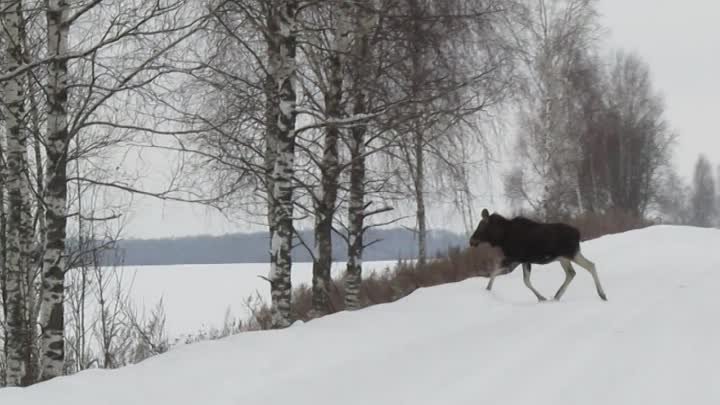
[524, 241]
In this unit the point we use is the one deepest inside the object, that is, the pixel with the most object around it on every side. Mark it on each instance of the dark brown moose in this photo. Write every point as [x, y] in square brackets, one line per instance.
[527, 242]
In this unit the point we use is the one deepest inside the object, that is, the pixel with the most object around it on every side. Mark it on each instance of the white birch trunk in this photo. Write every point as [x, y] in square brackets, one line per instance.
[282, 66]
[3, 261]
[52, 320]
[35, 237]
[17, 349]
[353, 272]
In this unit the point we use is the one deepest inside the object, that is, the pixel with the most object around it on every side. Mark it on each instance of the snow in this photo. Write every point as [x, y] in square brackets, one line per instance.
[197, 297]
[654, 342]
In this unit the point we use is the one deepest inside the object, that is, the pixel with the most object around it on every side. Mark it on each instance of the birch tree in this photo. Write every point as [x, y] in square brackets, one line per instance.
[333, 66]
[100, 79]
[549, 35]
[24, 234]
[3, 274]
[282, 68]
[52, 312]
[592, 139]
[246, 130]
[242, 73]
[364, 23]
[18, 351]
[237, 136]
[454, 68]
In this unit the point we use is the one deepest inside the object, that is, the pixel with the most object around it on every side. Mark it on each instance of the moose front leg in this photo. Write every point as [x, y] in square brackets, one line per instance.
[569, 275]
[526, 279]
[506, 266]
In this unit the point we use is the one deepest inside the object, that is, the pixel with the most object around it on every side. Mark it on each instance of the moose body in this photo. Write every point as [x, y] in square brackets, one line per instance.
[527, 242]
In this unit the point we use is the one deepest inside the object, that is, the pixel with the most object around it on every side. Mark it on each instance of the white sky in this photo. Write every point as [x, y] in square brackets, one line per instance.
[679, 40]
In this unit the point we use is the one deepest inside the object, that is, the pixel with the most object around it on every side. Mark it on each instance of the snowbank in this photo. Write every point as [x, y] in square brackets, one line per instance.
[654, 342]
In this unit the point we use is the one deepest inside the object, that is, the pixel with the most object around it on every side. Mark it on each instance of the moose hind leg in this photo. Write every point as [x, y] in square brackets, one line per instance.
[526, 279]
[569, 275]
[590, 266]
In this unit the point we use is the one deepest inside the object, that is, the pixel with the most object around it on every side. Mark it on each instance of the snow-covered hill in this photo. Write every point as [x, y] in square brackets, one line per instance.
[656, 341]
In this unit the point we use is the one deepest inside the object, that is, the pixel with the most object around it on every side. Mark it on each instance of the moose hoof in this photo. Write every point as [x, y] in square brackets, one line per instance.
[541, 298]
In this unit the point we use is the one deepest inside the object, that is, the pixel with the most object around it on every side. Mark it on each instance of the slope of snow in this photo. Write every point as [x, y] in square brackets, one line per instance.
[654, 342]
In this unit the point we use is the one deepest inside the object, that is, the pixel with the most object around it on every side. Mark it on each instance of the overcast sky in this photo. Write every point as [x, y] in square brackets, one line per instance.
[680, 40]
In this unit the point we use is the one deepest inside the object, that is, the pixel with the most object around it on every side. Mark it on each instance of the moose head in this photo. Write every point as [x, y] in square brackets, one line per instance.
[488, 230]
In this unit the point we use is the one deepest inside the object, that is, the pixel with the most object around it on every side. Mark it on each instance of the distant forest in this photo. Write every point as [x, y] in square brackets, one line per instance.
[389, 244]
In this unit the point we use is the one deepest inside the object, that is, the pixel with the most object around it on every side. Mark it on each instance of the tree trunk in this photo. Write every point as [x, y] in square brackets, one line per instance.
[322, 262]
[364, 23]
[282, 66]
[30, 290]
[353, 276]
[35, 239]
[329, 168]
[420, 198]
[52, 320]
[3, 243]
[271, 117]
[418, 129]
[3, 264]
[30, 248]
[16, 271]
[578, 194]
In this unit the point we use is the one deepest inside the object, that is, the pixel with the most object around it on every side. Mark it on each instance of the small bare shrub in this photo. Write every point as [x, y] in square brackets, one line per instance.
[391, 284]
[149, 332]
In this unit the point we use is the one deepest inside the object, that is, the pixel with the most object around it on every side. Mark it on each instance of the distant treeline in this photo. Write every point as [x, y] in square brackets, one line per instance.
[389, 244]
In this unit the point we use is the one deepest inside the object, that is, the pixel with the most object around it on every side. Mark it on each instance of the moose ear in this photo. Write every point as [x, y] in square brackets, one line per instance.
[485, 213]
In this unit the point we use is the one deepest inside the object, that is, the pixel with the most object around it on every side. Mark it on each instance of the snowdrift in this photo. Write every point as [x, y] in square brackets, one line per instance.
[655, 341]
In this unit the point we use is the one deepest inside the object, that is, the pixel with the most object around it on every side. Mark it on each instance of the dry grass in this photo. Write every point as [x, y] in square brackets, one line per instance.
[392, 284]
[596, 225]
